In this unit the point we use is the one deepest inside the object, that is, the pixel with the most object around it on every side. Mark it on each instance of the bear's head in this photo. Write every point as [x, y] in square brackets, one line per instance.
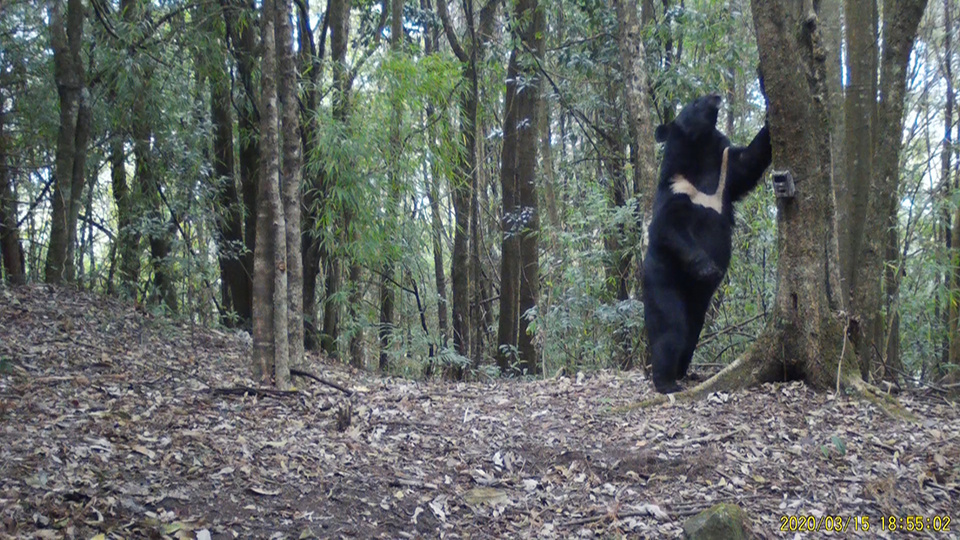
[695, 121]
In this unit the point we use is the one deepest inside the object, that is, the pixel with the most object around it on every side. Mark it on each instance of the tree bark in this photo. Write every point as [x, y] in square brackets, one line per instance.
[243, 37]
[290, 187]
[951, 278]
[879, 253]
[315, 194]
[436, 217]
[12, 253]
[387, 292]
[859, 123]
[234, 284]
[66, 38]
[831, 30]
[339, 15]
[804, 338]
[528, 136]
[511, 226]
[946, 160]
[520, 266]
[465, 178]
[270, 330]
[632, 53]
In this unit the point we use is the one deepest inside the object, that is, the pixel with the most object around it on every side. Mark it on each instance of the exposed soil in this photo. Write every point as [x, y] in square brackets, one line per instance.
[109, 426]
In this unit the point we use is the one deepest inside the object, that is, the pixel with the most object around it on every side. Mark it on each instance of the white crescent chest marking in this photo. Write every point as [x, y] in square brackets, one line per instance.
[680, 185]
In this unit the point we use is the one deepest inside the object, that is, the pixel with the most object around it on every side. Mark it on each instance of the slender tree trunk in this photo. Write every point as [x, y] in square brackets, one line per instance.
[437, 242]
[12, 253]
[463, 187]
[528, 136]
[519, 273]
[465, 179]
[549, 171]
[951, 231]
[953, 314]
[66, 38]
[290, 188]
[946, 160]
[879, 249]
[511, 226]
[234, 289]
[243, 38]
[128, 235]
[436, 217]
[270, 330]
[387, 292]
[339, 15]
[314, 183]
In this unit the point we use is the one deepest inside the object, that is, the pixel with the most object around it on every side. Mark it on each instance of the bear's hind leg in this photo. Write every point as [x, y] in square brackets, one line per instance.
[667, 329]
[695, 316]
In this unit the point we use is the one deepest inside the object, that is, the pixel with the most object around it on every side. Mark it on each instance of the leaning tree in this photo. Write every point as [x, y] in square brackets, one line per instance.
[807, 334]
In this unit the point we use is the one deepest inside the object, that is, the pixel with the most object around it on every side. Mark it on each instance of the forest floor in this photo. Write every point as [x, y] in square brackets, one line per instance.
[109, 428]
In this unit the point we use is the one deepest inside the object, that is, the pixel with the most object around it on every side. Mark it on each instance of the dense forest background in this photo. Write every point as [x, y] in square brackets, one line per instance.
[472, 185]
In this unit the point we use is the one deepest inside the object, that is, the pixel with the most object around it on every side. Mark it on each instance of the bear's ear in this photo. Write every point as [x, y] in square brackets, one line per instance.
[663, 130]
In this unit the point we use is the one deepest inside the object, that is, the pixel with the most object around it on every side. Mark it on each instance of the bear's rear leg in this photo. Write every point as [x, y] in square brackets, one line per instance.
[695, 316]
[666, 360]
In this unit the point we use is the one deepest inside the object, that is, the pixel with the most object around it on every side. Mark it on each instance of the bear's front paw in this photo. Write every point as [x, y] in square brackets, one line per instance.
[708, 271]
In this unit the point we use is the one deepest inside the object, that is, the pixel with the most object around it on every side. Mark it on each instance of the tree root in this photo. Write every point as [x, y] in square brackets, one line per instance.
[751, 369]
[885, 402]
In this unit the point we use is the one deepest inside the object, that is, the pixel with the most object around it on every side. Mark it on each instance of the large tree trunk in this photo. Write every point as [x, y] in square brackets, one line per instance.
[235, 290]
[804, 337]
[12, 253]
[831, 31]
[290, 184]
[856, 252]
[632, 53]
[69, 170]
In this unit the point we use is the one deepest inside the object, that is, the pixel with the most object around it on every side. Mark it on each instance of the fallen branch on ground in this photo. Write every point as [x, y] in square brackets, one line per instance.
[259, 392]
[307, 374]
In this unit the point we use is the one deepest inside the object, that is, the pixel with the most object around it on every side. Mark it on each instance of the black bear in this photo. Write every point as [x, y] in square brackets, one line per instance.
[690, 234]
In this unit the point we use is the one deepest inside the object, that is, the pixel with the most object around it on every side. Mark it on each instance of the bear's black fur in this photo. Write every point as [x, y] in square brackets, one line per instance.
[690, 234]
